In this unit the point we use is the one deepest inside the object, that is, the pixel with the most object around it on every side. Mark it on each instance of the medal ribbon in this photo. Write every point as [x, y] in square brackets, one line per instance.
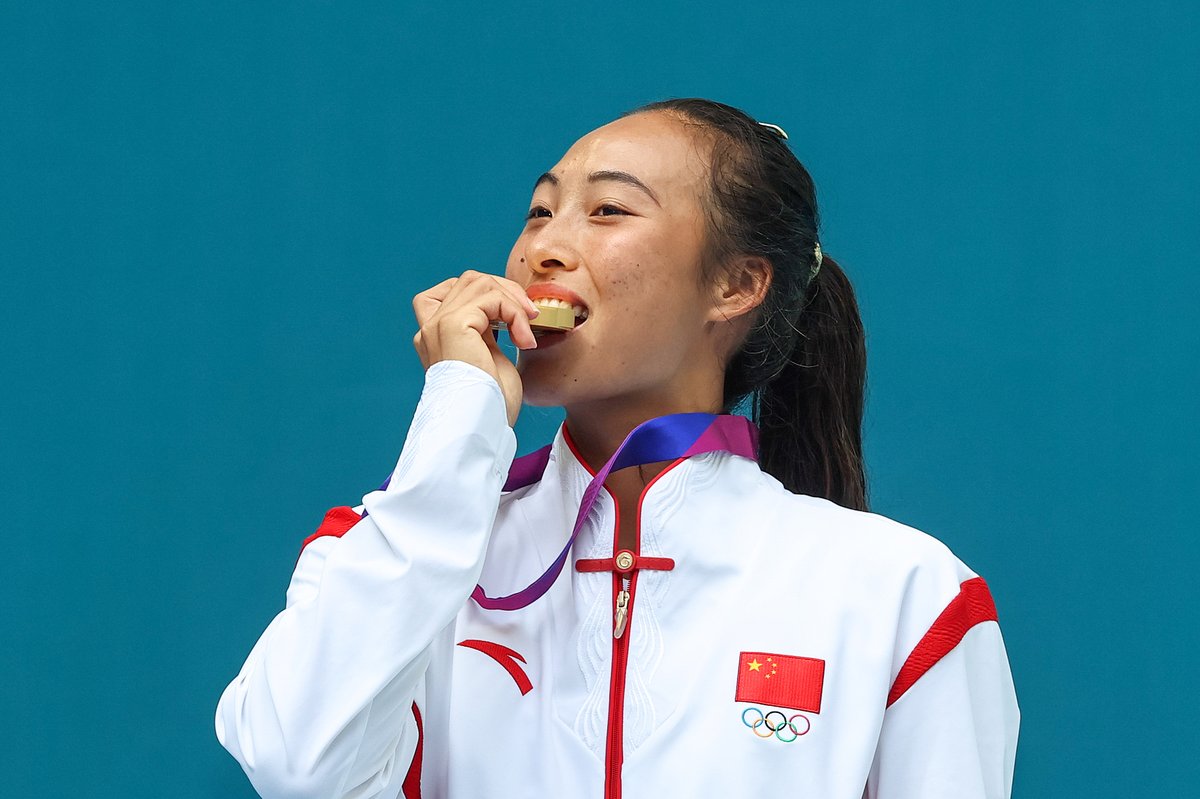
[666, 438]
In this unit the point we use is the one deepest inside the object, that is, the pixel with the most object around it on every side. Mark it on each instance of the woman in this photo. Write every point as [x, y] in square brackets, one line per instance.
[727, 622]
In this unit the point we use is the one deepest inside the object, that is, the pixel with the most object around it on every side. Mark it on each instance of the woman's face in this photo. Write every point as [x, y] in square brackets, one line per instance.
[619, 221]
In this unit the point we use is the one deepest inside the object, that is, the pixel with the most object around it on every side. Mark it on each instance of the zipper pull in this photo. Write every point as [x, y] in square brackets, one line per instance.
[622, 614]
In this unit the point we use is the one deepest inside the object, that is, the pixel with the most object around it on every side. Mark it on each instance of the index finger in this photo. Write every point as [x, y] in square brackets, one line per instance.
[426, 303]
[516, 290]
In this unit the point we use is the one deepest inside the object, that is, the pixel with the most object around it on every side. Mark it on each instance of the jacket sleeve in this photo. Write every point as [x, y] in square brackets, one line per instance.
[324, 705]
[950, 727]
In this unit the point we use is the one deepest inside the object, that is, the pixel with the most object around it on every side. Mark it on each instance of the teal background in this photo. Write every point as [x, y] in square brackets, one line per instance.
[213, 217]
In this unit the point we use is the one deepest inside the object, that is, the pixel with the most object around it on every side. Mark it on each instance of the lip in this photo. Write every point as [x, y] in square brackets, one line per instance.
[553, 291]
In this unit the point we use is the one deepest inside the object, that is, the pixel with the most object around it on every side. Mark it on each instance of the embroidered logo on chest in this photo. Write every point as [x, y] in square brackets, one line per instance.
[779, 681]
[506, 657]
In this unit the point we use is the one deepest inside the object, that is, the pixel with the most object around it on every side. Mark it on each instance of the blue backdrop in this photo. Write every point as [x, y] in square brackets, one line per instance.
[213, 217]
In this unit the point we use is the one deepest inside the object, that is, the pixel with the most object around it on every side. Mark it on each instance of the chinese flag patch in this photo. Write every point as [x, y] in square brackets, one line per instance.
[780, 680]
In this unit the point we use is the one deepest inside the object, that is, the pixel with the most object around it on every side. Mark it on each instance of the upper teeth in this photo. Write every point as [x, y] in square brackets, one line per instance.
[551, 302]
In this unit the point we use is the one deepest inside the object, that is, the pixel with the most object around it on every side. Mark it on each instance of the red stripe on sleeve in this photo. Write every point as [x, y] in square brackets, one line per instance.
[972, 606]
[411, 787]
[336, 522]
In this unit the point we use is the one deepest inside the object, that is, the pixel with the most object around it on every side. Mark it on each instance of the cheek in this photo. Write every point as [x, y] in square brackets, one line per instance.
[650, 322]
[632, 294]
[636, 268]
[654, 286]
[515, 269]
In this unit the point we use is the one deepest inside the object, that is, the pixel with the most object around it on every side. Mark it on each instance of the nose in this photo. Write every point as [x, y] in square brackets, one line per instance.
[548, 251]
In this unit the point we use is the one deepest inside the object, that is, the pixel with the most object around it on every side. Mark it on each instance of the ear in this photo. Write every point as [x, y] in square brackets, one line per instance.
[741, 287]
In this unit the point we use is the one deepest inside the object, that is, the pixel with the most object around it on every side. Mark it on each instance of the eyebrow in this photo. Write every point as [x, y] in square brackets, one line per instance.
[602, 175]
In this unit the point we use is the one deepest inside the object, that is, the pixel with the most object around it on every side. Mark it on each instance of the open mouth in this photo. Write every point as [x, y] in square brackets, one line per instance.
[558, 315]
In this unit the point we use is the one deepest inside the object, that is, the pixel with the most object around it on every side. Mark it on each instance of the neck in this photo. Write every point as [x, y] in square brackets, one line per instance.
[598, 428]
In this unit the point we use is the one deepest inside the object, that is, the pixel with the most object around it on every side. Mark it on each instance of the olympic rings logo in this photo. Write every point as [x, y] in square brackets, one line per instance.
[776, 723]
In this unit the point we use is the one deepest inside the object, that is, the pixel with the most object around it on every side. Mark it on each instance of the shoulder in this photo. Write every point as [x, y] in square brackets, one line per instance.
[877, 545]
[901, 575]
[897, 580]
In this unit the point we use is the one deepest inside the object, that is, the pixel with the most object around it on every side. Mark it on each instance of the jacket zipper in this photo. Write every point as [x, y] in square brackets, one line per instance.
[621, 613]
[623, 592]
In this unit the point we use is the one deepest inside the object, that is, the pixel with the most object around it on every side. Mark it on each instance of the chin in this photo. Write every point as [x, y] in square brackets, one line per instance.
[541, 389]
[546, 383]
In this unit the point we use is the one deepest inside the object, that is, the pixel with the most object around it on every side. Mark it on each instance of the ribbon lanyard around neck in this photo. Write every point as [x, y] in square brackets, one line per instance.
[666, 438]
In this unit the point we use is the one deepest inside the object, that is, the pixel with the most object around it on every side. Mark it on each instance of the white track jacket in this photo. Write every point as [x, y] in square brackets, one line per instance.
[381, 678]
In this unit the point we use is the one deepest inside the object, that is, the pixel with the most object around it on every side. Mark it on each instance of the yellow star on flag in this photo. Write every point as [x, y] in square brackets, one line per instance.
[754, 665]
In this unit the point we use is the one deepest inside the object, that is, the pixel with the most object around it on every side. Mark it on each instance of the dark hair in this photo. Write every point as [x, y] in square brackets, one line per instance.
[802, 365]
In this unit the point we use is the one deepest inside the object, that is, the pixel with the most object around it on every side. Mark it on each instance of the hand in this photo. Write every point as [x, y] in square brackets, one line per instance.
[454, 319]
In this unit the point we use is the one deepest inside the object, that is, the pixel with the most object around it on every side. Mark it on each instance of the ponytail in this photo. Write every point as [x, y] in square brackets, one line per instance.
[810, 416]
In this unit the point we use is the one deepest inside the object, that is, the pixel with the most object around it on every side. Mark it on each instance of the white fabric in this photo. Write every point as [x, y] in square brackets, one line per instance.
[323, 705]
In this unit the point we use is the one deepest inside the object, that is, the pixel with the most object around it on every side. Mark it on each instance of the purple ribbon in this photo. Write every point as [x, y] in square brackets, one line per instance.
[666, 438]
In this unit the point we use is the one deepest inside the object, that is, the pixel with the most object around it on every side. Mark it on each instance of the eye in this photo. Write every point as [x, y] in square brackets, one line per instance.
[538, 212]
[611, 210]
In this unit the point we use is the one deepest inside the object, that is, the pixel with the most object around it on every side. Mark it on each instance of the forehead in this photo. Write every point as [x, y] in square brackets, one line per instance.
[655, 147]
